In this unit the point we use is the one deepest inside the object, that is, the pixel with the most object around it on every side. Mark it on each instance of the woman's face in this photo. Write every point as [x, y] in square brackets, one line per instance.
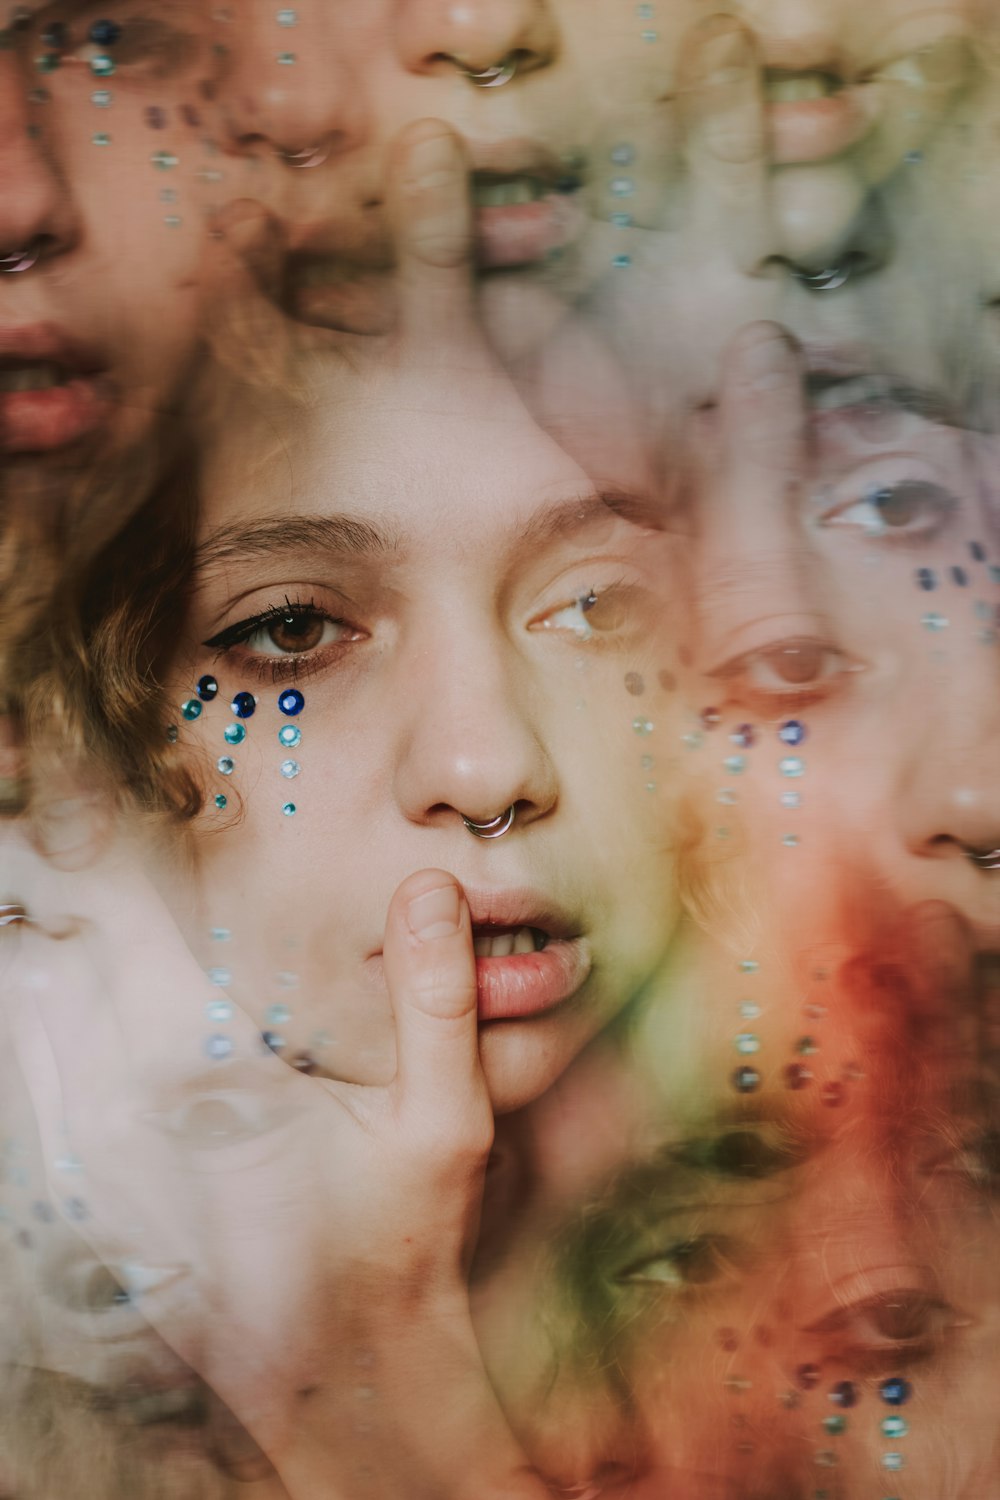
[102, 226]
[472, 627]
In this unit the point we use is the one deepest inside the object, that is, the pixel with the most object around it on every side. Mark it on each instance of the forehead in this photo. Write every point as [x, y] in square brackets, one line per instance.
[420, 472]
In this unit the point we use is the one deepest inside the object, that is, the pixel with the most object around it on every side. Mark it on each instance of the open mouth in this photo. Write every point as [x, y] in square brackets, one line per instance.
[793, 88]
[47, 404]
[523, 217]
[814, 114]
[495, 942]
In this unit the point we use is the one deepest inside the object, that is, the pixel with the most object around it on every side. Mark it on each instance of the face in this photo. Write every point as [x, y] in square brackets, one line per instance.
[471, 629]
[101, 229]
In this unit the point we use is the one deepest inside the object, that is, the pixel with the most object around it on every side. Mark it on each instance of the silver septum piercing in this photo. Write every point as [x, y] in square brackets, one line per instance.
[492, 78]
[984, 859]
[493, 828]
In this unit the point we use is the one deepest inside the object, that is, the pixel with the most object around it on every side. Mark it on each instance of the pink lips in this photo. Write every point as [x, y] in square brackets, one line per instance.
[812, 130]
[44, 420]
[520, 234]
[527, 984]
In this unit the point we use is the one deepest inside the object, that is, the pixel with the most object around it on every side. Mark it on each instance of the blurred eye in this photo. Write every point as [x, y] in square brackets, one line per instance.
[596, 611]
[909, 508]
[888, 1329]
[211, 1121]
[143, 44]
[976, 1159]
[697, 1261]
[790, 674]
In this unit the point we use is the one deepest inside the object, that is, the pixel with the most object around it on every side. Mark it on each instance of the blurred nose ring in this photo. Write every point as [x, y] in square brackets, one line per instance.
[491, 78]
[12, 912]
[984, 859]
[18, 260]
[831, 279]
[493, 828]
[309, 156]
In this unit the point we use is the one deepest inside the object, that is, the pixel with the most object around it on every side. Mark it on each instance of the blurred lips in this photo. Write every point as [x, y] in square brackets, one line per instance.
[53, 391]
[813, 115]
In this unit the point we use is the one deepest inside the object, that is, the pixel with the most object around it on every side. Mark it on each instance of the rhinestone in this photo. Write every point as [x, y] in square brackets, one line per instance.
[791, 765]
[102, 66]
[926, 579]
[646, 762]
[749, 1010]
[291, 702]
[792, 732]
[287, 18]
[622, 155]
[745, 1080]
[621, 262]
[191, 709]
[289, 736]
[302, 1062]
[832, 1094]
[225, 765]
[277, 1014]
[835, 1425]
[273, 1041]
[743, 735]
[790, 840]
[244, 705]
[47, 62]
[748, 966]
[621, 187]
[797, 1075]
[220, 800]
[934, 621]
[285, 58]
[290, 769]
[746, 1043]
[844, 1394]
[977, 551]
[693, 741]
[643, 726]
[289, 809]
[807, 1377]
[163, 160]
[218, 1048]
[220, 934]
[101, 138]
[893, 1461]
[994, 572]
[895, 1427]
[622, 220]
[734, 764]
[727, 797]
[101, 97]
[710, 717]
[206, 688]
[55, 35]
[806, 1046]
[960, 577]
[172, 734]
[220, 976]
[219, 1011]
[76, 1209]
[105, 33]
[790, 799]
[234, 734]
[895, 1391]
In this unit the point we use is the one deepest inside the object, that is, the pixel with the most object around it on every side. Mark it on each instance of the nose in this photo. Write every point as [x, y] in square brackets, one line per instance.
[474, 35]
[297, 90]
[947, 791]
[471, 747]
[37, 216]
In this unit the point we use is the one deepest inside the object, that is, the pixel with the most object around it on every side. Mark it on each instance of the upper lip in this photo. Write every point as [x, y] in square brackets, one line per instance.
[42, 343]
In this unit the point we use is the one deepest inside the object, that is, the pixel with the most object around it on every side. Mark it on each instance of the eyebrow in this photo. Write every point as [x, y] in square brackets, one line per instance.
[351, 536]
[584, 510]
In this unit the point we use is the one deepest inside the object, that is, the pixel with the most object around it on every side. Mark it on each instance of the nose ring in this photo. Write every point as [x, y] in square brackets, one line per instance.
[492, 77]
[18, 260]
[308, 156]
[11, 912]
[830, 279]
[493, 828]
[984, 859]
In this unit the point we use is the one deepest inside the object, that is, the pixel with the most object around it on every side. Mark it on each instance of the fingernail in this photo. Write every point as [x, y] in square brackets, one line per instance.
[433, 161]
[435, 914]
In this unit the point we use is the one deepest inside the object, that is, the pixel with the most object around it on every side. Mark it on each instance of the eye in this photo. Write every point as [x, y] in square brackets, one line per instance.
[790, 674]
[901, 508]
[891, 1328]
[278, 636]
[213, 1120]
[697, 1261]
[140, 44]
[593, 612]
[298, 632]
[976, 1160]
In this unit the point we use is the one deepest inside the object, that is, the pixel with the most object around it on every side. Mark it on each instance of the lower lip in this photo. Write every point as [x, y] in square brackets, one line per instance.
[43, 421]
[520, 234]
[528, 984]
[810, 130]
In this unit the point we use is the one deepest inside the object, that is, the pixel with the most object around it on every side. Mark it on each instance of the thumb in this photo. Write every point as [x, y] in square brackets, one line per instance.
[430, 971]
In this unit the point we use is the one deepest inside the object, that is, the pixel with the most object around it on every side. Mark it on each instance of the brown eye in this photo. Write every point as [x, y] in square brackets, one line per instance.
[797, 662]
[882, 1331]
[297, 632]
[791, 674]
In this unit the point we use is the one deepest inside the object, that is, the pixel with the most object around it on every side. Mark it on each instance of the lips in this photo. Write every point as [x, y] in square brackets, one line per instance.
[53, 392]
[814, 114]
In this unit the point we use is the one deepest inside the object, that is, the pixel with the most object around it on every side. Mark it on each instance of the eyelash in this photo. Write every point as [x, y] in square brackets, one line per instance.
[937, 507]
[284, 668]
[777, 701]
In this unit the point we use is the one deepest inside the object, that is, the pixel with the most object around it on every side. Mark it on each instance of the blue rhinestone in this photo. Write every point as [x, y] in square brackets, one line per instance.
[621, 262]
[105, 33]
[977, 551]
[207, 688]
[792, 732]
[960, 576]
[55, 35]
[844, 1394]
[289, 809]
[291, 702]
[926, 579]
[218, 1048]
[234, 734]
[290, 735]
[220, 976]
[191, 709]
[273, 1041]
[745, 1080]
[895, 1391]
[244, 705]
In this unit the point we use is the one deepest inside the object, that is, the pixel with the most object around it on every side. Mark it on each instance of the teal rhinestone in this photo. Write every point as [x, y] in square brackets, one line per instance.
[893, 1461]
[48, 62]
[621, 262]
[287, 17]
[219, 1010]
[234, 734]
[101, 97]
[734, 764]
[220, 800]
[163, 160]
[191, 709]
[289, 809]
[285, 58]
[748, 966]
[792, 765]
[835, 1424]
[289, 735]
[746, 1043]
[102, 66]
[895, 1427]
[219, 976]
[277, 1014]
[101, 138]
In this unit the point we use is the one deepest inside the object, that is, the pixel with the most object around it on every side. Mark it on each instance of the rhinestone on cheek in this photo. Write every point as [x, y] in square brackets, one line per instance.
[244, 705]
[289, 735]
[191, 709]
[206, 688]
[291, 702]
[290, 769]
[289, 809]
[225, 765]
[234, 734]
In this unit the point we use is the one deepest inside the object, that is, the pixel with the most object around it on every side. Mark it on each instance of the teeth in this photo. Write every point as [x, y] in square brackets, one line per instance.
[30, 378]
[795, 88]
[494, 194]
[504, 944]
